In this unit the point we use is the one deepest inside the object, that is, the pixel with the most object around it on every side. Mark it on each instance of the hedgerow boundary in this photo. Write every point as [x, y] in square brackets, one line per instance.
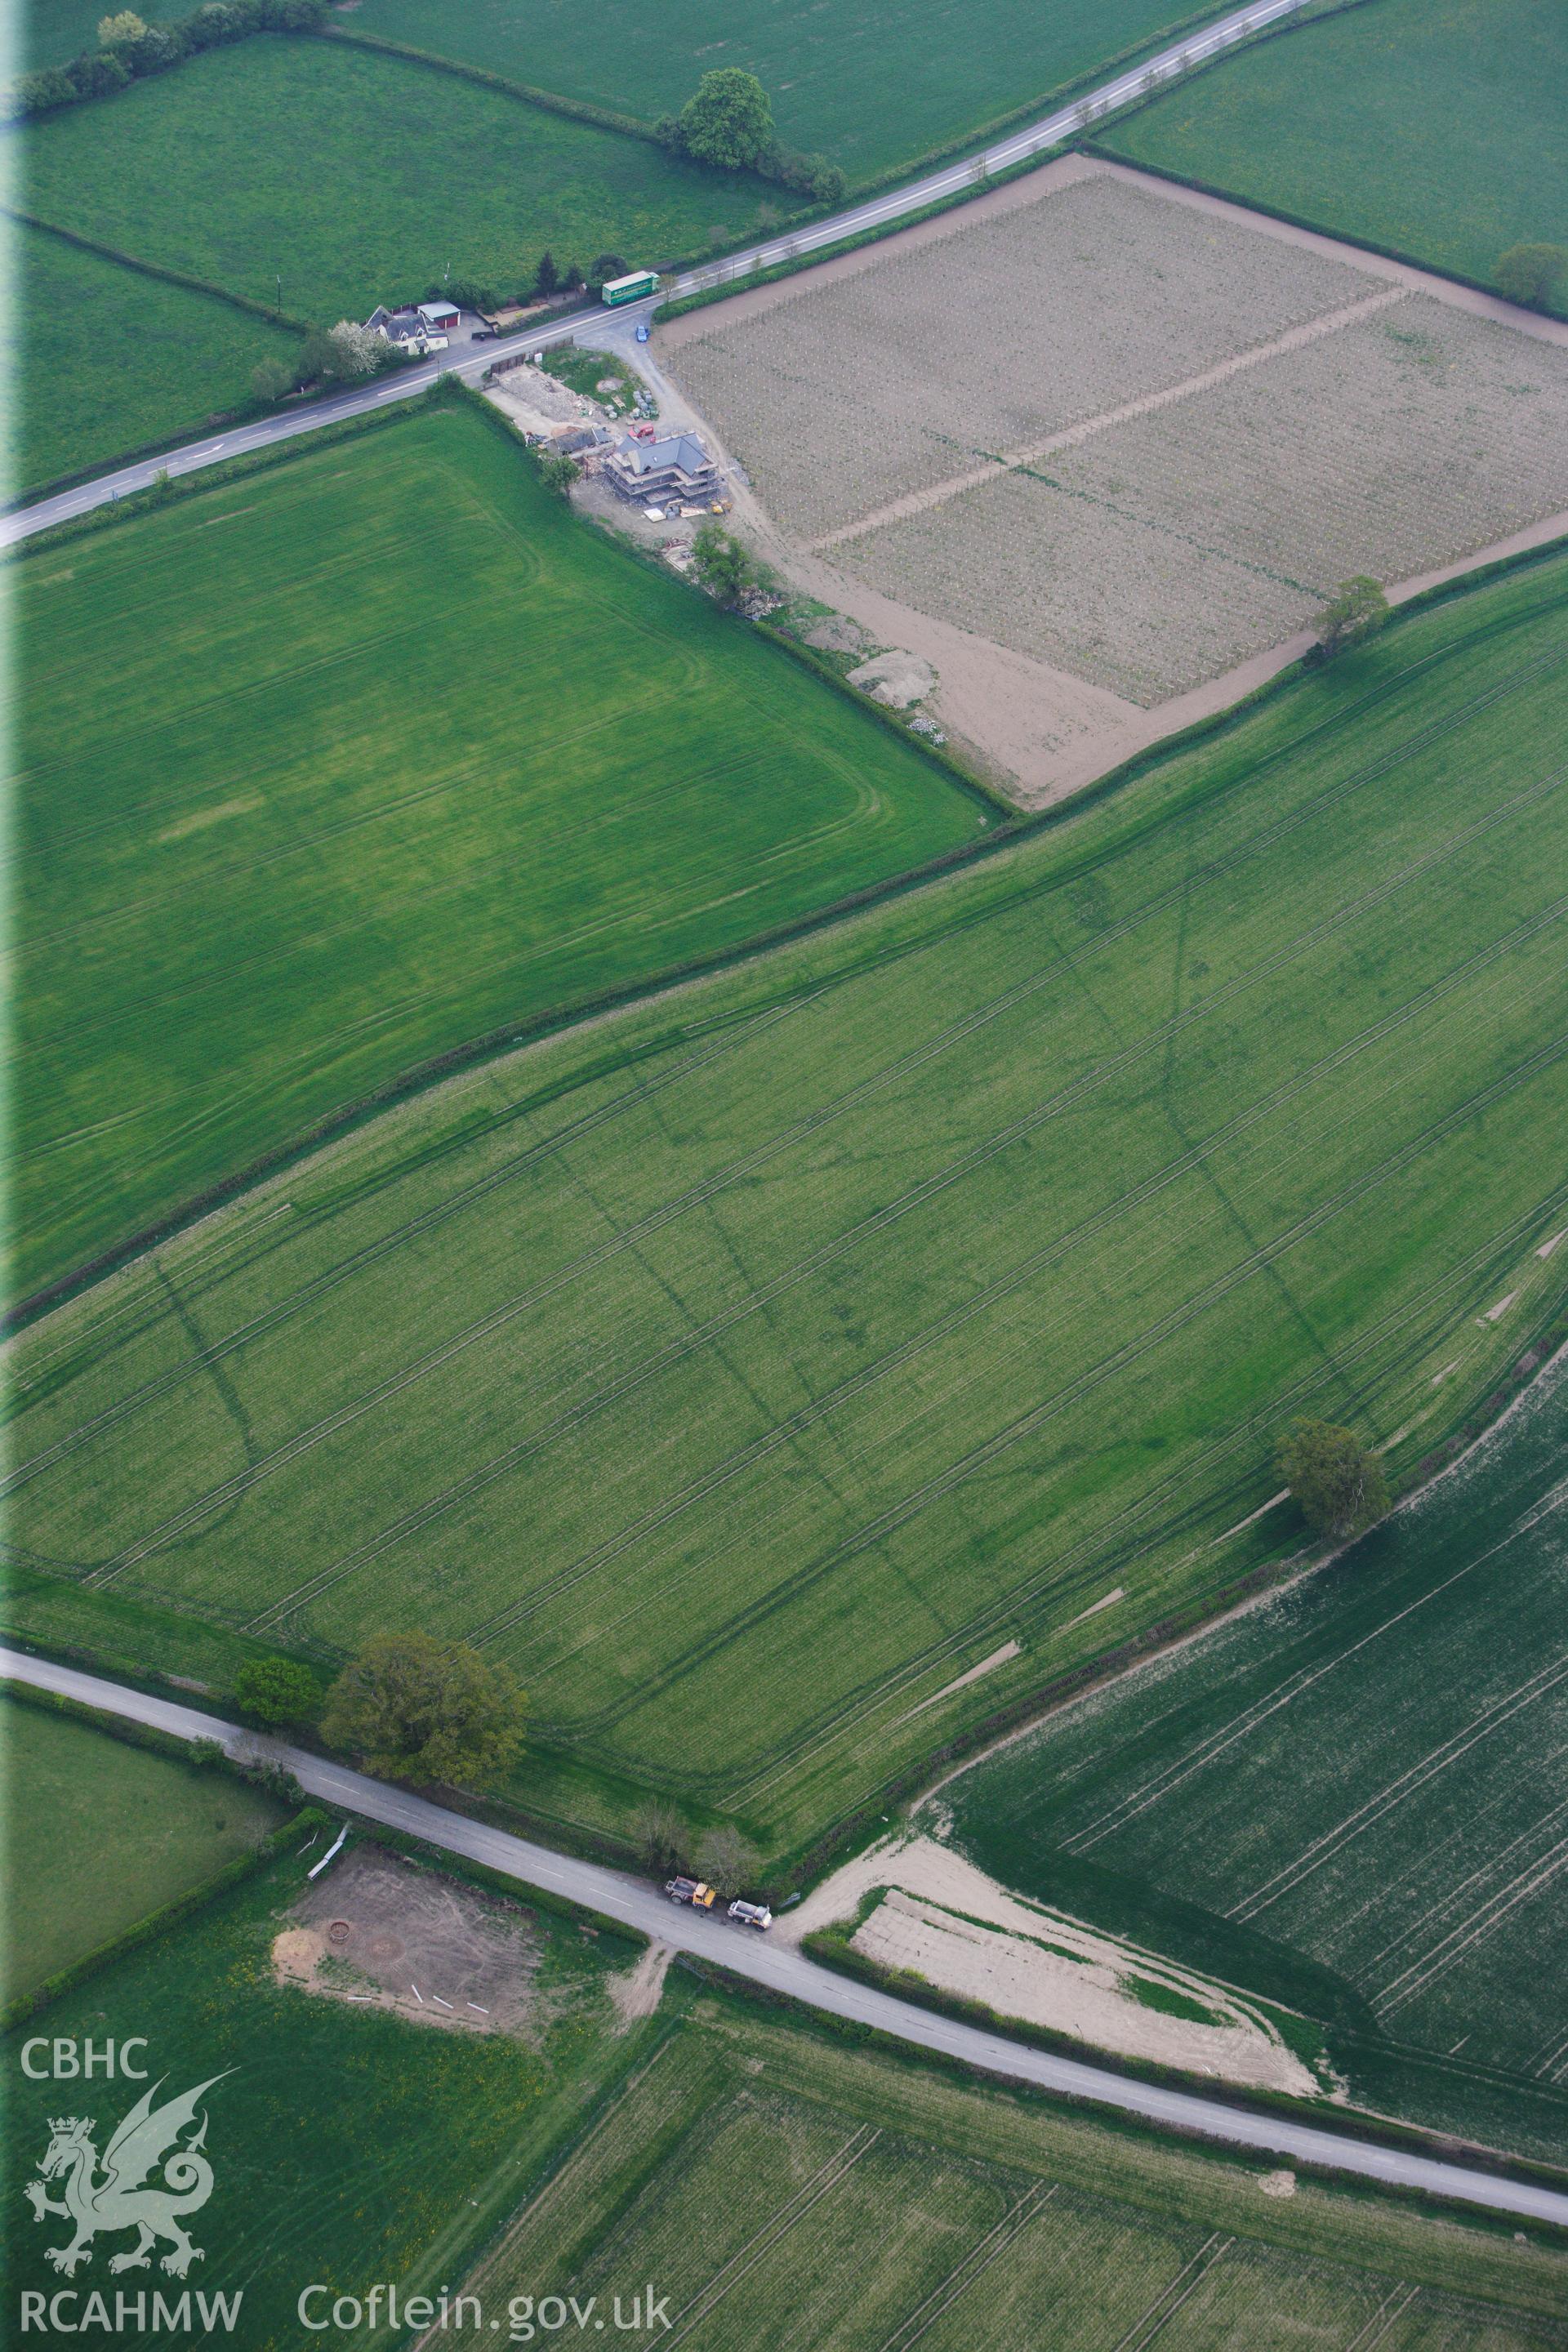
[1104, 154]
[33, 492]
[1538, 609]
[422, 1076]
[210, 1755]
[575, 110]
[1202, 1612]
[678, 306]
[181, 487]
[195, 1898]
[606, 118]
[419, 1077]
[831, 1949]
[930, 158]
[955, 150]
[1081, 143]
[518, 93]
[274, 318]
[714, 1975]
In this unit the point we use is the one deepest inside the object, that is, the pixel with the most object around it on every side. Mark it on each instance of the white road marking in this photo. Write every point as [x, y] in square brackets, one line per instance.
[1167, 66]
[638, 1905]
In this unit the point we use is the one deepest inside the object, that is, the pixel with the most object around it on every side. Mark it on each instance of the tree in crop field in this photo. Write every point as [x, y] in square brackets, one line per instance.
[660, 1833]
[417, 1709]
[1337, 1481]
[726, 1860]
[728, 120]
[546, 277]
[1528, 273]
[278, 1691]
[1357, 610]
[721, 565]
[125, 25]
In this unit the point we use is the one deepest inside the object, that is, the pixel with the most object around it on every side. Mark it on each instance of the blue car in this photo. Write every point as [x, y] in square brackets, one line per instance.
[642, 334]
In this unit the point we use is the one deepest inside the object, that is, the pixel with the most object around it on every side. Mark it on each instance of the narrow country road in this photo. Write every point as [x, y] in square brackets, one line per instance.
[875, 213]
[781, 1969]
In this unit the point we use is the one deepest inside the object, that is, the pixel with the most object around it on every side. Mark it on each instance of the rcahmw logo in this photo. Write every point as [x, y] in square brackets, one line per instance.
[154, 2175]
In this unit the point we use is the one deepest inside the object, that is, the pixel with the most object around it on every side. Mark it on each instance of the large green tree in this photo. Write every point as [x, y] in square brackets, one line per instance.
[1357, 609]
[418, 1709]
[723, 566]
[728, 120]
[278, 1691]
[1530, 273]
[1338, 1481]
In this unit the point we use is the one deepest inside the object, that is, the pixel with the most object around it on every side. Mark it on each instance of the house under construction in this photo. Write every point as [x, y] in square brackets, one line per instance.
[674, 470]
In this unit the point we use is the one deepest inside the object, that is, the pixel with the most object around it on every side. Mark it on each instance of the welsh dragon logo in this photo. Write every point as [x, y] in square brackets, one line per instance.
[117, 2199]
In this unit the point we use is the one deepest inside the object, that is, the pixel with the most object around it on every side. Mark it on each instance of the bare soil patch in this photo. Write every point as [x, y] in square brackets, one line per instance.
[638, 1990]
[1008, 329]
[377, 1931]
[538, 402]
[896, 678]
[947, 1921]
[1230, 414]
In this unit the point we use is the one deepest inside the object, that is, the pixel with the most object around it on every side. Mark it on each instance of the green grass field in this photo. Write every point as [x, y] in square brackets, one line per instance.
[1438, 128]
[335, 767]
[871, 84]
[100, 1833]
[746, 1368]
[346, 2145]
[783, 2189]
[158, 361]
[1363, 1776]
[758, 2173]
[172, 171]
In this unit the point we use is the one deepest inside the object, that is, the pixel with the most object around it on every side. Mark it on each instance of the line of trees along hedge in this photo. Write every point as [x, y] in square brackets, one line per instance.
[129, 49]
[728, 124]
[244, 1866]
